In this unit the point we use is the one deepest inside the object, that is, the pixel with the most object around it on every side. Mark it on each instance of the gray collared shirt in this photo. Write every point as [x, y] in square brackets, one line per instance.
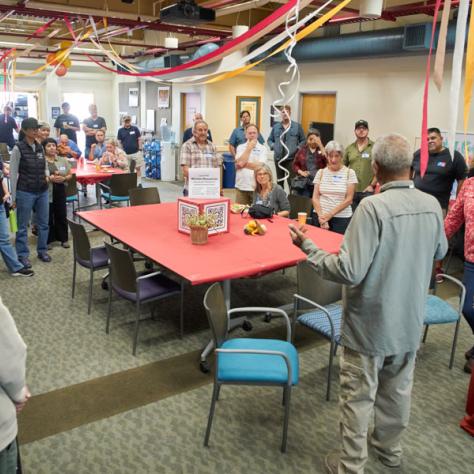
[385, 264]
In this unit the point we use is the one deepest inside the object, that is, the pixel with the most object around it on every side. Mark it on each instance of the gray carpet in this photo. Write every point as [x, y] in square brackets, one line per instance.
[66, 347]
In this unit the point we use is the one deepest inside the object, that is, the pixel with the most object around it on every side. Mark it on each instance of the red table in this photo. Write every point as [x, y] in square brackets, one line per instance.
[152, 231]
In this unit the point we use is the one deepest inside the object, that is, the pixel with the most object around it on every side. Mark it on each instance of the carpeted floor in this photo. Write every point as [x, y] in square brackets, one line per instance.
[98, 409]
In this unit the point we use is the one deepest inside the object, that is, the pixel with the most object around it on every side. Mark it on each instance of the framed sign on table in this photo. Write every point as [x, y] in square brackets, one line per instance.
[252, 105]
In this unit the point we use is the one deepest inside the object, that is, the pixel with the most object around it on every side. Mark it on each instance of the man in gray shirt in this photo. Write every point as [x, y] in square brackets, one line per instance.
[385, 264]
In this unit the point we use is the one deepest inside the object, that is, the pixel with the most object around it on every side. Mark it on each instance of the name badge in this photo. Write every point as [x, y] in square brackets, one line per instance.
[209, 156]
[441, 164]
[336, 179]
[95, 126]
[70, 123]
[365, 155]
[132, 133]
[39, 156]
[62, 168]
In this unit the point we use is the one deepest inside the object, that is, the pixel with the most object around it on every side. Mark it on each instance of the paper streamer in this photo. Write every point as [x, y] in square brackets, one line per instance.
[469, 78]
[441, 47]
[424, 120]
[455, 89]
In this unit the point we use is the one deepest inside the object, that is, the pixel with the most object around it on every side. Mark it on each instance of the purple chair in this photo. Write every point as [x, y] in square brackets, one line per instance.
[92, 258]
[137, 288]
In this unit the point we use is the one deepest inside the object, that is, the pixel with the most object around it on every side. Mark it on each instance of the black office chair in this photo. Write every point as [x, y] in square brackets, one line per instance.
[141, 196]
[72, 193]
[299, 204]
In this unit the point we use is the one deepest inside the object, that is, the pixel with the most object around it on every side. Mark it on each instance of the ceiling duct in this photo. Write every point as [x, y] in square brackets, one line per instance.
[186, 12]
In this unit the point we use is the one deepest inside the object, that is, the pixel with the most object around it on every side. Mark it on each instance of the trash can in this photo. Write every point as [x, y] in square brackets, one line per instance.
[228, 180]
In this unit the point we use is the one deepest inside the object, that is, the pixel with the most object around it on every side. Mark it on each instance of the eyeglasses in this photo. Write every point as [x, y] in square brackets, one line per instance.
[263, 174]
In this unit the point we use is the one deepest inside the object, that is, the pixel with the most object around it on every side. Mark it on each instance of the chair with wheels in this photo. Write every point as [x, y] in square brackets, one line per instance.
[247, 361]
[142, 196]
[137, 288]
[72, 194]
[316, 307]
[92, 258]
[439, 311]
[300, 204]
[118, 189]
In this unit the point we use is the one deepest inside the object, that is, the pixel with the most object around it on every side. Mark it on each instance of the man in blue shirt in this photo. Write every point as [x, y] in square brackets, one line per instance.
[7, 125]
[129, 139]
[67, 123]
[293, 139]
[238, 135]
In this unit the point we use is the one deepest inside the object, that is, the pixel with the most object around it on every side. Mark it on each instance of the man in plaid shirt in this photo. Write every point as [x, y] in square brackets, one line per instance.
[198, 152]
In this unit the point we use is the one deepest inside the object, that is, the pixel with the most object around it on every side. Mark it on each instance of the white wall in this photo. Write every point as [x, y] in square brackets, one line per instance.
[387, 92]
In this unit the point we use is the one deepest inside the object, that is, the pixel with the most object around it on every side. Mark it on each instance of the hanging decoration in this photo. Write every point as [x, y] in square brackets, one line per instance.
[441, 46]
[455, 89]
[424, 120]
[469, 78]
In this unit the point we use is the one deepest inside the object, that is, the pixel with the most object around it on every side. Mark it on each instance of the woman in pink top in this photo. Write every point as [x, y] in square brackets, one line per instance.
[462, 212]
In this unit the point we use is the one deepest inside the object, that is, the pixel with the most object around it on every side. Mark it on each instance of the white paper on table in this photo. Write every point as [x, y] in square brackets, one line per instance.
[204, 183]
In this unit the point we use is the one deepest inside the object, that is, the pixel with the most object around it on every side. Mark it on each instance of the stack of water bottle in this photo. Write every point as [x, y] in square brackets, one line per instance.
[152, 156]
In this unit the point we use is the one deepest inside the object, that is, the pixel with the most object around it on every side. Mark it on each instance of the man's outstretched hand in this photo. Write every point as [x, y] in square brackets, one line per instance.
[297, 234]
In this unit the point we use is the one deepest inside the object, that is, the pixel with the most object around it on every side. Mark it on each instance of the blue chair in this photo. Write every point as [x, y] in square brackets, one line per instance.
[92, 258]
[243, 361]
[118, 189]
[72, 193]
[137, 288]
[438, 311]
[316, 300]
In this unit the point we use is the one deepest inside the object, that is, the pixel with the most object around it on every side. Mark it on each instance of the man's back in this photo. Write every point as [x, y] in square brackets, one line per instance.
[399, 232]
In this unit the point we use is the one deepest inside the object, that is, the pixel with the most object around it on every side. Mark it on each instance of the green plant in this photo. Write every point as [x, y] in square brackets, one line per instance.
[201, 220]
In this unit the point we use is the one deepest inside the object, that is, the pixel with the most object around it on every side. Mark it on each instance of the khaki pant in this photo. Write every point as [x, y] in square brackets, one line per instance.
[373, 385]
[243, 197]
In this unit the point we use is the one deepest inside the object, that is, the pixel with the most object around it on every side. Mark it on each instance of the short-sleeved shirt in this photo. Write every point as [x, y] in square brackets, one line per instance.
[62, 166]
[71, 120]
[244, 177]
[333, 189]
[99, 150]
[440, 174]
[95, 124]
[238, 137]
[276, 199]
[129, 139]
[361, 163]
[7, 125]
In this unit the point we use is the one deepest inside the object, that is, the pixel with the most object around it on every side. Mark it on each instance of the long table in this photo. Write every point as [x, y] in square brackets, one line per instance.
[151, 230]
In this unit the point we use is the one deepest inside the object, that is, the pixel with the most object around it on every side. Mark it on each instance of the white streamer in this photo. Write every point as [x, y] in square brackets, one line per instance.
[284, 88]
[455, 89]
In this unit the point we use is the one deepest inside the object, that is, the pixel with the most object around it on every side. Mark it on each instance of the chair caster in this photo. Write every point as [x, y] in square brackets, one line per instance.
[247, 326]
[204, 366]
[268, 317]
[104, 285]
[148, 265]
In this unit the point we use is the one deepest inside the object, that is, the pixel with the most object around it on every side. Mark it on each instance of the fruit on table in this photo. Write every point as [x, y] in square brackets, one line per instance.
[254, 227]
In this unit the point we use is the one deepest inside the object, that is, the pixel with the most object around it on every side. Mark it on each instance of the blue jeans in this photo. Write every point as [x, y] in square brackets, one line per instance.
[9, 459]
[6, 247]
[25, 202]
[468, 280]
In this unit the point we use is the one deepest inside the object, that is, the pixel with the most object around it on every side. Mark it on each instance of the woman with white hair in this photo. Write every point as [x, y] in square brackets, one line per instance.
[114, 156]
[334, 188]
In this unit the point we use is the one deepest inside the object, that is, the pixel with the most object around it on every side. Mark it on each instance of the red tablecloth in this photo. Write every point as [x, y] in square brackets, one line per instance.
[87, 174]
[152, 231]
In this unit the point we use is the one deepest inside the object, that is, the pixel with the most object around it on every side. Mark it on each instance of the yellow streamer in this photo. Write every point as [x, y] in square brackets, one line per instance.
[300, 35]
[469, 77]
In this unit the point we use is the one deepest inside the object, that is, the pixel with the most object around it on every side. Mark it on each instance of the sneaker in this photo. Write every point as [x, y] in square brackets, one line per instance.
[34, 230]
[25, 261]
[65, 245]
[44, 257]
[331, 463]
[387, 463]
[438, 277]
[23, 272]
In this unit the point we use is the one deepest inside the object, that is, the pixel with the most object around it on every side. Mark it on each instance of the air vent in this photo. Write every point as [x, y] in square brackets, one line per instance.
[417, 37]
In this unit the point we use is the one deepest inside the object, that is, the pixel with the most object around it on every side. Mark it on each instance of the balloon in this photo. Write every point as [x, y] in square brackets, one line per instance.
[67, 63]
[61, 70]
[51, 59]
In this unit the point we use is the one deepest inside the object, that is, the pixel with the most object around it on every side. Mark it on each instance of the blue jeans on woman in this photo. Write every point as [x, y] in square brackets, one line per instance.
[468, 280]
[6, 248]
[25, 203]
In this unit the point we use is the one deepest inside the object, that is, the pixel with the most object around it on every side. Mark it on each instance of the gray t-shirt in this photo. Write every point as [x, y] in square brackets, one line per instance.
[277, 199]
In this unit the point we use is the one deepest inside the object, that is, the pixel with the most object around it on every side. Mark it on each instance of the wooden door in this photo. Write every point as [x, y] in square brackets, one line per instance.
[190, 104]
[318, 108]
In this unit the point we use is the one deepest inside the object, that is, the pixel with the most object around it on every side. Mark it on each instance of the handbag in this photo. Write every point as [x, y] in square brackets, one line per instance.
[260, 211]
[299, 182]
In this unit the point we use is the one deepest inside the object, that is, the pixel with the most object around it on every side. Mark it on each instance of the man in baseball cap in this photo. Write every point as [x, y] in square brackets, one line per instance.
[358, 156]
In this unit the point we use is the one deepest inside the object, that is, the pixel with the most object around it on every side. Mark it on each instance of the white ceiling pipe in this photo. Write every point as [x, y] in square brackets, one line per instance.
[242, 7]
[371, 8]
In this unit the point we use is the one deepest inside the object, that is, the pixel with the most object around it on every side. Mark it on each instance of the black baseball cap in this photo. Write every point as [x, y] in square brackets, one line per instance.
[361, 123]
[29, 123]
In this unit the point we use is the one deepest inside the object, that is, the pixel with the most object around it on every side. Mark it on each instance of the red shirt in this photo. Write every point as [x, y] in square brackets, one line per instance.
[462, 212]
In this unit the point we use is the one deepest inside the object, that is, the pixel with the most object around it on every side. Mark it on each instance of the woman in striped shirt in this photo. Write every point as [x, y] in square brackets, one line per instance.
[334, 188]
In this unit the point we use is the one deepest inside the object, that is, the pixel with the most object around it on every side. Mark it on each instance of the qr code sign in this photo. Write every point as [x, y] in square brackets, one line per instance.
[186, 210]
[219, 211]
